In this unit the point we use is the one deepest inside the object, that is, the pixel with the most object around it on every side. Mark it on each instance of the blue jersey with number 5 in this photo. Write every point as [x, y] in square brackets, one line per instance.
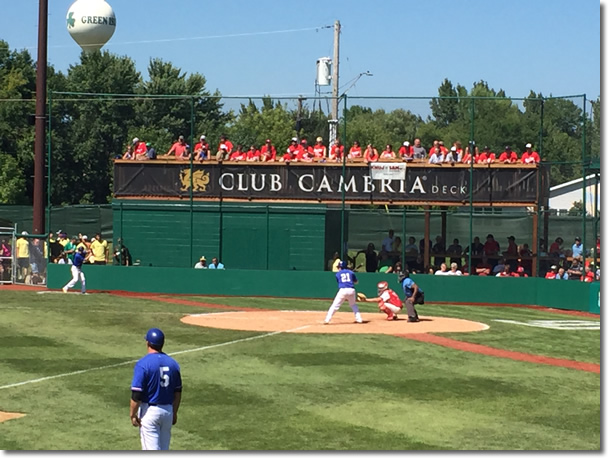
[157, 376]
[346, 278]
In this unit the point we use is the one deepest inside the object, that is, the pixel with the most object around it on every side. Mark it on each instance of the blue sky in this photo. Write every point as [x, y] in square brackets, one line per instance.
[551, 47]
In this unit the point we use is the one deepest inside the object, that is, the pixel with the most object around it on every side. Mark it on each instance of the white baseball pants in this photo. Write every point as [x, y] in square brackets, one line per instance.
[156, 423]
[77, 274]
[344, 294]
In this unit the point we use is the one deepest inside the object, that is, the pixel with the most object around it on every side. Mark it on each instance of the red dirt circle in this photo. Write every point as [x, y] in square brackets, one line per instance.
[341, 323]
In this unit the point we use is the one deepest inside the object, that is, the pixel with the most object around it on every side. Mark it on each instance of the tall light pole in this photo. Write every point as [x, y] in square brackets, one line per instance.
[40, 124]
[333, 122]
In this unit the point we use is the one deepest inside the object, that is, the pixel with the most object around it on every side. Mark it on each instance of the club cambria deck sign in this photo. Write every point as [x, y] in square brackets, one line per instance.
[317, 182]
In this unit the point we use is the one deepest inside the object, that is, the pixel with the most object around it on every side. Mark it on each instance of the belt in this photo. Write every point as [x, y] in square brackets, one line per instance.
[152, 404]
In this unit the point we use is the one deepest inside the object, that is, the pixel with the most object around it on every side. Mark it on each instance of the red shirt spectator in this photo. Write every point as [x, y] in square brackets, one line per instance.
[529, 156]
[508, 156]
[355, 151]
[555, 247]
[180, 149]
[253, 155]
[491, 247]
[388, 153]
[406, 151]
[292, 151]
[588, 276]
[238, 154]
[466, 159]
[486, 156]
[552, 273]
[371, 154]
[201, 149]
[337, 151]
[305, 153]
[141, 149]
[228, 143]
[268, 153]
[319, 150]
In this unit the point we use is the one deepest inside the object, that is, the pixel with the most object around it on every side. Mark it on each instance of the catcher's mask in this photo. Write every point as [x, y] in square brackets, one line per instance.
[382, 286]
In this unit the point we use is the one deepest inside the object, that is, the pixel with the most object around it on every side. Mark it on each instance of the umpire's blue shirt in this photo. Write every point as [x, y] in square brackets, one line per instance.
[408, 287]
[157, 376]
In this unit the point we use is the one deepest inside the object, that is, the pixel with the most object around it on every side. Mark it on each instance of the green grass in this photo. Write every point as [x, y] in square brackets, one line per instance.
[291, 391]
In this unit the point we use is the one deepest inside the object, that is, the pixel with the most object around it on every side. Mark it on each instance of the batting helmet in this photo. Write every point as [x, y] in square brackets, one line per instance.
[156, 337]
[382, 286]
[342, 265]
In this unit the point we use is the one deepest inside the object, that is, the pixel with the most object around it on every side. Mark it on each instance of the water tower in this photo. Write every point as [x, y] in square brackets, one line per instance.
[91, 23]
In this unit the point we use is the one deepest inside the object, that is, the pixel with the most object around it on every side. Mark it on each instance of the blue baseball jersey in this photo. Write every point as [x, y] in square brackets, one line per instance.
[408, 287]
[346, 278]
[79, 258]
[157, 376]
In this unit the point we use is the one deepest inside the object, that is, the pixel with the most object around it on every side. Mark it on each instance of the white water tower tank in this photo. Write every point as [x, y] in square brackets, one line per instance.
[91, 23]
[324, 71]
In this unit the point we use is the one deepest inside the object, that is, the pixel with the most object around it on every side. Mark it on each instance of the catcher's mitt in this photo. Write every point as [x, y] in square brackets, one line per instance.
[361, 297]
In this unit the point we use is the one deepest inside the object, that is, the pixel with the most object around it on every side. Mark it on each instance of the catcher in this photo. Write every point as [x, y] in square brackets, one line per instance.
[388, 301]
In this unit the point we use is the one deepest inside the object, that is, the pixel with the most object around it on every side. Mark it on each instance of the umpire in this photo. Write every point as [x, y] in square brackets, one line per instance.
[413, 295]
[156, 392]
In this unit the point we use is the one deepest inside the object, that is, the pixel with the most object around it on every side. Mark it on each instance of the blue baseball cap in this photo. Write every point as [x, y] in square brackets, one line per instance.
[342, 265]
[155, 336]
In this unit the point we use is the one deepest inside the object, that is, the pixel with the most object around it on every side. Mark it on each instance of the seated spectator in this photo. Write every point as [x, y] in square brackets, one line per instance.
[371, 258]
[333, 265]
[201, 264]
[454, 269]
[268, 153]
[453, 156]
[422, 244]
[140, 151]
[483, 268]
[477, 247]
[443, 148]
[471, 154]
[151, 151]
[561, 274]
[336, 153]
[419, 152]
[253, 154]
[128, 154]
[319, 150]
[387, 243]
[355, 151]
[455, 249]
[238, 155]
[397, 246]
[305, 153]
[122, 255]
[201, 149]
[436, 156]
[500, 266]
[577, 248]
[587, 277]
[520, 272]
[385, 264]
[551, 273]
[411, 249]
[397, 268]
[406, 152]
[222, 154]
[575, 272]
[443, 270]
[388, 153]
[506, 272]
[371, 154]
[417, 265]
[215, 264]
[556, 248]
[529, 156]
[227, 151]
[486, 156]
[439, 249]
[508, 156]
[180, 148]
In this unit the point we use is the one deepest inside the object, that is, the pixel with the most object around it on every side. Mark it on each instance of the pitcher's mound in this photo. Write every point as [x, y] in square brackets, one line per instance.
[342, 322]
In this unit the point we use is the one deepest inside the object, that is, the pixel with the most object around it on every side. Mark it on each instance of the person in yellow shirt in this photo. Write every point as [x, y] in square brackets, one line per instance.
[23, 256]
[99, 248]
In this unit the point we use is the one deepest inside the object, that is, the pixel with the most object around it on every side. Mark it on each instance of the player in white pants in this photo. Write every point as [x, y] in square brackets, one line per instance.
[346, 292]
[156, 422]
[77, 274]
[388, 301]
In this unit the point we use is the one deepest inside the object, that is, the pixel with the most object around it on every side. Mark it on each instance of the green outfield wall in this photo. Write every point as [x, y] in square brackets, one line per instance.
[568, 295]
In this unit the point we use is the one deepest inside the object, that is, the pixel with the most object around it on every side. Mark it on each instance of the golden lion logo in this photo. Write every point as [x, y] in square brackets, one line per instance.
[200, 180]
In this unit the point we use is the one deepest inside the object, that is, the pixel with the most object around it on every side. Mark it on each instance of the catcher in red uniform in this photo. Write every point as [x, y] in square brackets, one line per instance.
[388, 301]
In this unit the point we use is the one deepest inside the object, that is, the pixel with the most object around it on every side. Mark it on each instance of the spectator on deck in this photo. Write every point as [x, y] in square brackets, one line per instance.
[388, 153]
[439, 249]
[371, 154]
[491, 247]
[268, 153]
[455, 249]
[387, 243]
[486, 156]
[436, 155]
[238, 155]
[336, 152]
[406, 152]
[419, 152]
[529, 156]
[319, 150]
[253, 154]
[508, 156]
[201, 149]
[453, 156]
[180, 149]
[355, 151]
[556, 248]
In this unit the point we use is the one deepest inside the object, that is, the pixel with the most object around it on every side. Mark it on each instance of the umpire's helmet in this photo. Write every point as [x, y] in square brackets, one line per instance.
[155, 337]
[403, 275]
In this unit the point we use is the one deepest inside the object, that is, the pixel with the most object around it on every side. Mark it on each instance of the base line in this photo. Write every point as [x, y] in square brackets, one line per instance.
[207, 347]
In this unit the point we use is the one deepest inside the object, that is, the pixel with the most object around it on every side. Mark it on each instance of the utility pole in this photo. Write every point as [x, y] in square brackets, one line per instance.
[40, 123]
[333, 122]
